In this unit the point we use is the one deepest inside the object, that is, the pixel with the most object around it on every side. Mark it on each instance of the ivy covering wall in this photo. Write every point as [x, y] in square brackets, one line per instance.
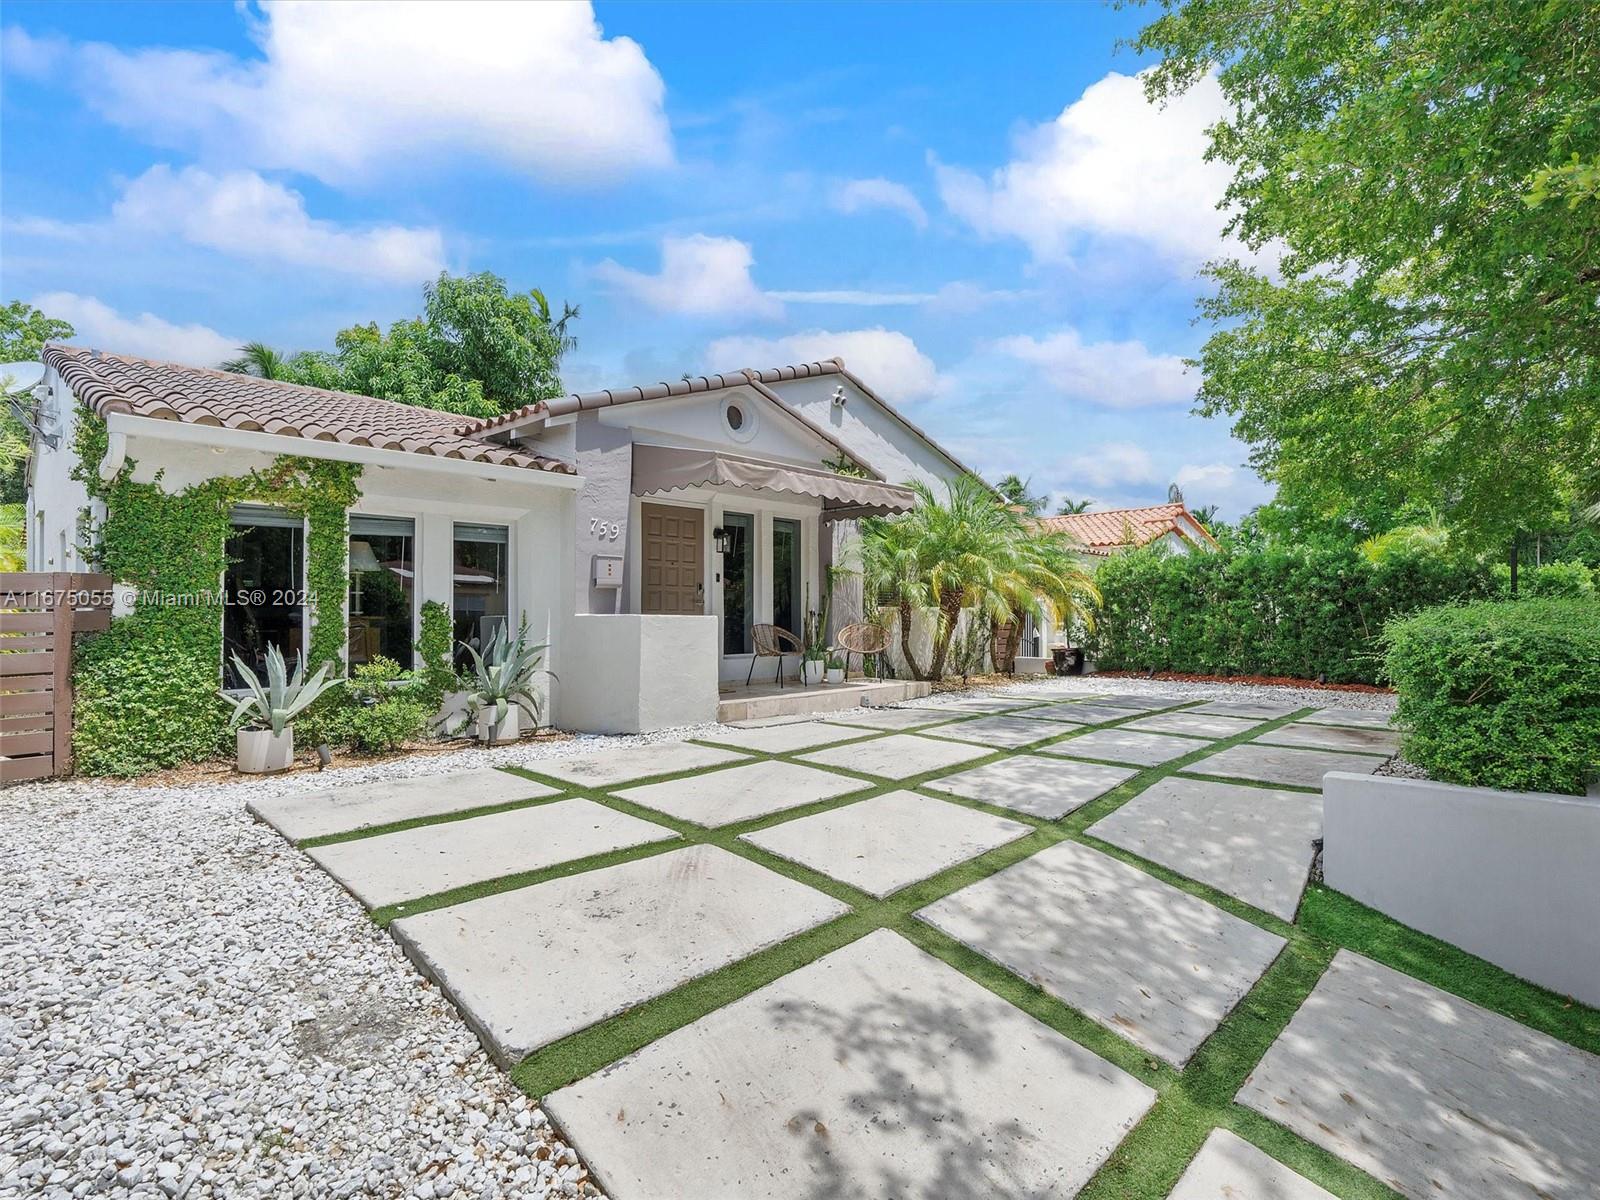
[146, 689]
[1301, 611]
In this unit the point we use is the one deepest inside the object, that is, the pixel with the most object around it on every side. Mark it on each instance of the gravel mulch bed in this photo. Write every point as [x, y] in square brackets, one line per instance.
[1097, 685]
[189, 1008]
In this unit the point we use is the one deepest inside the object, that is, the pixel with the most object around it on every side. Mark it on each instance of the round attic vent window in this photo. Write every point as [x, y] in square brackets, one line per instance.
[740, 418]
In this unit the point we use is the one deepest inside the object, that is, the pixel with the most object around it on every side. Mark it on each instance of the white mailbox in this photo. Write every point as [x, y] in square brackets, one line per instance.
[608, 570]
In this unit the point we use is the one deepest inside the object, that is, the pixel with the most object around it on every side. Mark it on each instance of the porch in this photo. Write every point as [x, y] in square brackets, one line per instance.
[761, 701]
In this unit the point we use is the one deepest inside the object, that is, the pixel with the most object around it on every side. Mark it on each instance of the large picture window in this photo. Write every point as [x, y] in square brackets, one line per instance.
[265, 581]
[382, 587]
[786, 613]
[738, 582]
[481, 600]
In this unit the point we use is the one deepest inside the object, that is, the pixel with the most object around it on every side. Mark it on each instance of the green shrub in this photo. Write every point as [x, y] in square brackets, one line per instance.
[382, 708]
[436, 674]
[1547, 581]
[1301, 611]
[1503, 695]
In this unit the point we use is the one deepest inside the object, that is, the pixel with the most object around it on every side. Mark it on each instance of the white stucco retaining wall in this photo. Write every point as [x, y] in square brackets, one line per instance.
[631, 673]
[1509, 876]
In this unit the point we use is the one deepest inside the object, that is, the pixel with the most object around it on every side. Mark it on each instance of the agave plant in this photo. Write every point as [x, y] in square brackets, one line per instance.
[503, 675]
[283, 698]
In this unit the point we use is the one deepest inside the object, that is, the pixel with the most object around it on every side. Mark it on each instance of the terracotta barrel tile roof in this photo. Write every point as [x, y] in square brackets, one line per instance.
[1107, 532]
[120, 383]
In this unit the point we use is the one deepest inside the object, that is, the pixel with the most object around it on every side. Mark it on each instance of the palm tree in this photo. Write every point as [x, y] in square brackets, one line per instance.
[1015, 489]
[260, 360]
[1071, 507]
[967, 551]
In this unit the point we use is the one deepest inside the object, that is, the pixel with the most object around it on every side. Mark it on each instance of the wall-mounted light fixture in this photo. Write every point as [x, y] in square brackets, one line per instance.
[722, 539]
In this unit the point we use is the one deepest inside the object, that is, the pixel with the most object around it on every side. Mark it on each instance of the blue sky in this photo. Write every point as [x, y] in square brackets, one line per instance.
[972, 204]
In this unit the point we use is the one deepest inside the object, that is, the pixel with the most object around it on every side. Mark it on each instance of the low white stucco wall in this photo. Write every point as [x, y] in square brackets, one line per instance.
[631, 673]
[1510, 876]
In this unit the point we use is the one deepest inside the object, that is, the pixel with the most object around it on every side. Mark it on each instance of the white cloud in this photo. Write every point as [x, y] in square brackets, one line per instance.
[854, 195]
[345, 91]
[885, 360]
[244, 215]
[1111, 165]
[1110, 465]
[699, 276]
[1213, 477]
[98, 325]
[1113, 374]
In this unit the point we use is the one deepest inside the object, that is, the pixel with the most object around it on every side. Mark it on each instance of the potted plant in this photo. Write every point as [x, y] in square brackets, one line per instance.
[835, 669]
[815, 643]
[501, 687]
[266, 745]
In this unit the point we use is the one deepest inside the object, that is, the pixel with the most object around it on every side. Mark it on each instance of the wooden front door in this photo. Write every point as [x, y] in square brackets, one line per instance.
[674, 579]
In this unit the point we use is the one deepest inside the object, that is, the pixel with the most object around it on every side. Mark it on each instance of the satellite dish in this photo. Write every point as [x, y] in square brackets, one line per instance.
[20, 376]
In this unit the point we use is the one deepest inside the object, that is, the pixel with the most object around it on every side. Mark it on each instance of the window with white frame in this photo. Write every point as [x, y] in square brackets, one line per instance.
[382, 589]
[264, 589]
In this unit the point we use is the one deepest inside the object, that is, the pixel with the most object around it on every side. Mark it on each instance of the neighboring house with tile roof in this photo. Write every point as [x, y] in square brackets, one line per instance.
[641, 531]
[1115, 530]
[1099, 535]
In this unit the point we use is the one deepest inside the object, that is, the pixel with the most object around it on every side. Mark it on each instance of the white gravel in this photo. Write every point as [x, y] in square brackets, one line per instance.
[189, 1008]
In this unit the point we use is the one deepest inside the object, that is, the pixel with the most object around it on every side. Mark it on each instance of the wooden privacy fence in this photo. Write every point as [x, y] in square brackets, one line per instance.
[39, 613]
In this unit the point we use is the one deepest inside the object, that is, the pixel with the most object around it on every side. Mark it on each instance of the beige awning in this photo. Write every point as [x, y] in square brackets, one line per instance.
[667, 468]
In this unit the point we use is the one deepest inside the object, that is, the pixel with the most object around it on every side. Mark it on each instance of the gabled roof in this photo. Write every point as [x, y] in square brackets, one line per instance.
[142, 387]
[750, 377]
[1105, 533]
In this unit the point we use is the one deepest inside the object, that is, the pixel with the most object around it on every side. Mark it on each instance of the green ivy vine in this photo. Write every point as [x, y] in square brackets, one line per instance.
[146, 689]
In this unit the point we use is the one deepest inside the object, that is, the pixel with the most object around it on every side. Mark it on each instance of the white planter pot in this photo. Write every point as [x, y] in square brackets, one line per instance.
[835, 674]
[1509, 876]
[813, 671]
[508, 730]
[261, 752]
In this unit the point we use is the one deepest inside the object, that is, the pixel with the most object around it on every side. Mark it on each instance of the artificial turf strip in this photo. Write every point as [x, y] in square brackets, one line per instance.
[466, 814]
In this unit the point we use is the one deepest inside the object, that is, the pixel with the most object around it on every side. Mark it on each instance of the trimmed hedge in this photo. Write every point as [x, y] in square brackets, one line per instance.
[1502, 695]
[1302, 611]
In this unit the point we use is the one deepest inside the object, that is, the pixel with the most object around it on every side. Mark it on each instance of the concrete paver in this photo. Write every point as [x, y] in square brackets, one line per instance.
[883, 844]
[890, 718]
[999, 731]
[785, 738]
[1034, 784]
[1360, 718]
[1431, 1094]
[1252, 843]
[875, 1071]
[391, 867]
[1126, 745]
[603, 768]
[1230, 1168]
[529, 966]
[1079, 714]
[975, 704]
[1332, 737]
[739, 793]
[1259, 711]
[1197, 725]
[898, 756]
[1157, 965]
[1282, 764]
[365, 805]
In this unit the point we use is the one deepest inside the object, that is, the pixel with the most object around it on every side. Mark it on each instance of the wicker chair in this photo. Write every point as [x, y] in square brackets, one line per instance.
[772, 642]
[863, 638]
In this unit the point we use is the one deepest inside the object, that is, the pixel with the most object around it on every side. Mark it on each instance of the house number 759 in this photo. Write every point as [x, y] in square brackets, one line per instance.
[608, 531]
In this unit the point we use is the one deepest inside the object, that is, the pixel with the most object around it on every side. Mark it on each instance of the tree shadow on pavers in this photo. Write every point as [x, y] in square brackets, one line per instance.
[915, 1052]
[1155, 964]
[1430, 1093]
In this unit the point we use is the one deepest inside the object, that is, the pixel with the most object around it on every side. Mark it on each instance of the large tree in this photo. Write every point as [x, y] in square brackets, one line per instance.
[477, 349]
[968, 551]
[23, 332]
[1431, 333]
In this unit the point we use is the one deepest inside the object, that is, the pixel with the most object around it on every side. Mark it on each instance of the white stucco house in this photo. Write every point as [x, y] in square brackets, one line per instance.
[640, 531]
